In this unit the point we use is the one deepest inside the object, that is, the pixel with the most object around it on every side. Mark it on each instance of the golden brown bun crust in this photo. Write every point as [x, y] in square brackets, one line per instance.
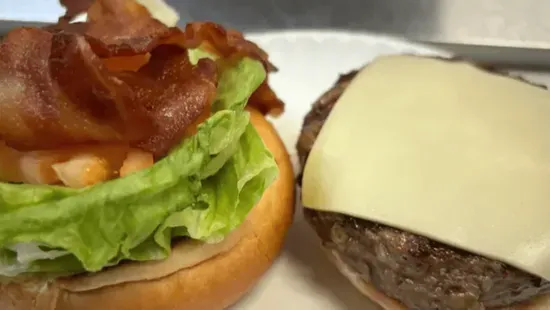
[213, 284]
[387, 303]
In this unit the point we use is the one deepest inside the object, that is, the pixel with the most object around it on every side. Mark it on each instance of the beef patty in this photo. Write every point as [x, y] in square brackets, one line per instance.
[419, 272]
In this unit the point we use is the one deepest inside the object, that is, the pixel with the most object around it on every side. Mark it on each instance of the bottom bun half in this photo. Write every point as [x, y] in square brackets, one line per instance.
[387, 303]
[214, 283]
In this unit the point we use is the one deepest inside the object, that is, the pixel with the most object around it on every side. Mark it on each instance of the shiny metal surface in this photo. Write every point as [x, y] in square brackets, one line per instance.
[519, 28]
[487, 22]
[511, 32]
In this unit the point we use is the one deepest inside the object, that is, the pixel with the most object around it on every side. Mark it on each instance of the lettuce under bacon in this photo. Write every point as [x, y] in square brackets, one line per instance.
[202, 189]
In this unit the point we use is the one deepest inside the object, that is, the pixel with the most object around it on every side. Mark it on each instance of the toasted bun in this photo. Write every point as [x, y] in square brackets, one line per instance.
[213, 284]
[387, 303]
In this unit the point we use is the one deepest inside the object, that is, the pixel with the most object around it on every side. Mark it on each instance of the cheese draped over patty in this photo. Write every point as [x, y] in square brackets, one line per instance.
[442, 149]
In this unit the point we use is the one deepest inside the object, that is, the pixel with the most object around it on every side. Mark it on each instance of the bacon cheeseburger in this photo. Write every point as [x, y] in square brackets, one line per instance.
[132, 177]
[428, 182]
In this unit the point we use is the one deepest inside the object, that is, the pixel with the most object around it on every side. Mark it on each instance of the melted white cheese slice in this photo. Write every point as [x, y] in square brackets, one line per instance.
[444, 150]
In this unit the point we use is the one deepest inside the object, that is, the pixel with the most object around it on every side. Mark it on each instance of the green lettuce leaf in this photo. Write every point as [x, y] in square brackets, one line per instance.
[202, 190]
[197, 54]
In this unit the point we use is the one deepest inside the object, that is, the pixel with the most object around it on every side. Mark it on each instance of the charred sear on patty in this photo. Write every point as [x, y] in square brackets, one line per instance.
[420, 273]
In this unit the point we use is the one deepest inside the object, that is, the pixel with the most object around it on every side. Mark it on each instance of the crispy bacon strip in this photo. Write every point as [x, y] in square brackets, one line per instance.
[121, 77]
[115, 27]
[225, 43]
[118, 14]
[56, 92]
[125, 27]
[35, 70]
[231, 44]
[184, 90]
[266, 101]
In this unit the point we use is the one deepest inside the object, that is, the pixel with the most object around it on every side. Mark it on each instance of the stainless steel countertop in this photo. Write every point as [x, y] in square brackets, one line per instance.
[497, 22]
[519, 28]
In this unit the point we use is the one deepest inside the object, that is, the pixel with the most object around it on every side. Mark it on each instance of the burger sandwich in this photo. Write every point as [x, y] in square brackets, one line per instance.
[426, 179]
[137, 167]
